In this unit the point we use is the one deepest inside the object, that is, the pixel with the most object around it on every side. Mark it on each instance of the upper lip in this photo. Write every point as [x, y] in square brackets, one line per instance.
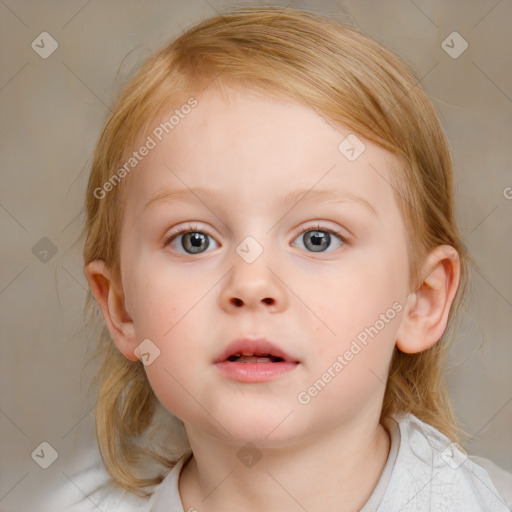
[253, 346]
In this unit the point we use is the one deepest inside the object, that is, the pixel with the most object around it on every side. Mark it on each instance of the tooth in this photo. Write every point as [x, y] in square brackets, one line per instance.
[254, 359]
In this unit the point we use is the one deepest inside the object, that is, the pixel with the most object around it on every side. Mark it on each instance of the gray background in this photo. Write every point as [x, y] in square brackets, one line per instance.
[52, 113]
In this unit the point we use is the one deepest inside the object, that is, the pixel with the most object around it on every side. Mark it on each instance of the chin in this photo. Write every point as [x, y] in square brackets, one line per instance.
[263, 430]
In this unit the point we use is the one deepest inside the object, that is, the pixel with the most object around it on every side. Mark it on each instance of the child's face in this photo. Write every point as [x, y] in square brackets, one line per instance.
[252, 152]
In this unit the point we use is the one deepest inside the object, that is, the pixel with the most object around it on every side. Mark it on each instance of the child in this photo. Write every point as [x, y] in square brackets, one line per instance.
[271, 240]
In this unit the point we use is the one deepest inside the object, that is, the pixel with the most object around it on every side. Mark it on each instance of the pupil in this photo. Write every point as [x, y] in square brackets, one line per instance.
[195, 241]
[320, 240]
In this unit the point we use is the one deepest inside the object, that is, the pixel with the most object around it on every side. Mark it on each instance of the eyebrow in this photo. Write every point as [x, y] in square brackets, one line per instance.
[294, 197]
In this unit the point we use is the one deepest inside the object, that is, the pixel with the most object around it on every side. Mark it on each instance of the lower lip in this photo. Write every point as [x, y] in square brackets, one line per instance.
[254, 372]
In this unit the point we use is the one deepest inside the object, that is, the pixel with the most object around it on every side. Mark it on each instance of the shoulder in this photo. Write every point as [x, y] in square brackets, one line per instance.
[433, 473]
[501, 479]
[90, 490]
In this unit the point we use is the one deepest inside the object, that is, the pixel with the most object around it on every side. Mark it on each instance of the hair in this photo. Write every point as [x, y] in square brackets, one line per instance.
[351, 81]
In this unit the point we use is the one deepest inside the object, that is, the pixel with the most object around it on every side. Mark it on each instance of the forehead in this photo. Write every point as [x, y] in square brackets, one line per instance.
[248, 147]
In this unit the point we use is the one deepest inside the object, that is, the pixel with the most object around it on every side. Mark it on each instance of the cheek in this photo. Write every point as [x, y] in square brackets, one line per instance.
[175, 375]
[360, 315]
[365, 322]
[168, 311]
[170, 389]
[158, 298]
[358, 298]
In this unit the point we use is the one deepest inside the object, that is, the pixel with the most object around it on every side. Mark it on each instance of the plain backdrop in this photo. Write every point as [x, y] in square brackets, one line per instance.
[53, 110]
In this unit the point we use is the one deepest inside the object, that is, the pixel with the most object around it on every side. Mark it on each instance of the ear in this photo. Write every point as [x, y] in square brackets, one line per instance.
[427, 308]
[111, 302]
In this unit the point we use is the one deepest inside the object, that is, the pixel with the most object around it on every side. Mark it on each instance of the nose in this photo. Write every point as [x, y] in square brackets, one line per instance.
[255, 285]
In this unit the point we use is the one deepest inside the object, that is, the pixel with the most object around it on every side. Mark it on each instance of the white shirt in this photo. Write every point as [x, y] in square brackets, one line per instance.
[424, 472]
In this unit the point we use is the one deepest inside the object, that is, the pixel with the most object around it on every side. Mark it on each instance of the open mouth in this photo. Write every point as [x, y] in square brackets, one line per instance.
[253, 350]
[254, 368]
[254, 360]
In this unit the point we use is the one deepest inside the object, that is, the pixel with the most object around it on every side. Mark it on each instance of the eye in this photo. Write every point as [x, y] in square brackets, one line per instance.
[193, 240]
[189, 238]
[318, 238]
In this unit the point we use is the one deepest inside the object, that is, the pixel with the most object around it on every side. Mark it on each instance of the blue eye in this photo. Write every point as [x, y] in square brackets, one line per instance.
[192, 240]
[318, 239]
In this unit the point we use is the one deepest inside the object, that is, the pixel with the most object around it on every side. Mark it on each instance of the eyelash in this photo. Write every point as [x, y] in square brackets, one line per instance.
[194, 229]
[183, 229]
[319, 227]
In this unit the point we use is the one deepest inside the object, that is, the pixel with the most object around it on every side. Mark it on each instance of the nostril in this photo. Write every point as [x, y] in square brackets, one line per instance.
[240, 302]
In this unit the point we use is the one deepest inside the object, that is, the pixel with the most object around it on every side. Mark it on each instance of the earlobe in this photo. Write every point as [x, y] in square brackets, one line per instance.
[427, 309]
[112, 304]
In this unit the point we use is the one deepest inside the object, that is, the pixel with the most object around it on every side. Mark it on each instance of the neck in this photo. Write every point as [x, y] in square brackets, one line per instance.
[337, 469]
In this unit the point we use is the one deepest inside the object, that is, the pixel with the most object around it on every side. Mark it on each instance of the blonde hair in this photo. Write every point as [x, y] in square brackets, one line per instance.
[351, 81]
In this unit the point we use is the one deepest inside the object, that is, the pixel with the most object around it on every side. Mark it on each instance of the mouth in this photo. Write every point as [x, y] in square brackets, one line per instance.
[254, 360]
[254, 350]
